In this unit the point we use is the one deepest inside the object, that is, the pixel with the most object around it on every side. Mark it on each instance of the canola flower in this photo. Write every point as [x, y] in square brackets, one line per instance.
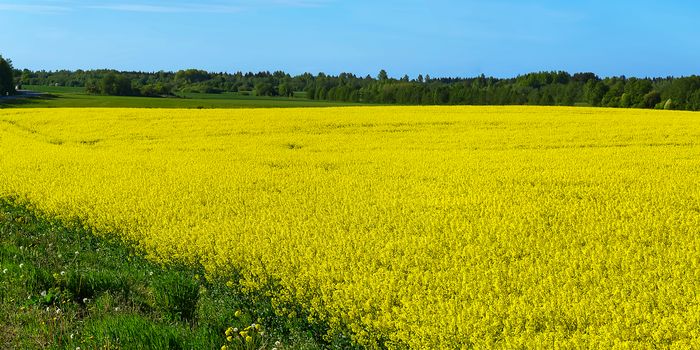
[420, 227]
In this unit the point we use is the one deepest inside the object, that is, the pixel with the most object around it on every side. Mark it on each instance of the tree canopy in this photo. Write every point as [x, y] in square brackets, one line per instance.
[7, 82]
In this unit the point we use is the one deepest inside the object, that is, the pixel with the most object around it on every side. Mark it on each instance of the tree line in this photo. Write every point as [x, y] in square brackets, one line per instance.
[540, 88]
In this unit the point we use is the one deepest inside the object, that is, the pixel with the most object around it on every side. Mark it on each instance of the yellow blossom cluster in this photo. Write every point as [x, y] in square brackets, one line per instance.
[420, 227]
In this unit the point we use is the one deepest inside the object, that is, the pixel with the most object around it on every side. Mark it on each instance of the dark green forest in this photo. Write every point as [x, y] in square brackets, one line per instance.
[541, 88]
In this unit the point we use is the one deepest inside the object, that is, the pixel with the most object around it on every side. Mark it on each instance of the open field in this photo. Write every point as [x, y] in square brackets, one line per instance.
[69, 97]
[418, 227]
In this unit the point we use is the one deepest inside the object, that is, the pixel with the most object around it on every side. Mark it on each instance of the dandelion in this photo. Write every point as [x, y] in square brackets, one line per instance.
[224, 347]
[43, 293]
[21, 265]
[63, 273]
[229, 338]
[237, 313]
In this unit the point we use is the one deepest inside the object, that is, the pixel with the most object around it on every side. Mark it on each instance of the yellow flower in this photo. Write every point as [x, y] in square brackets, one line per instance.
[387, 219]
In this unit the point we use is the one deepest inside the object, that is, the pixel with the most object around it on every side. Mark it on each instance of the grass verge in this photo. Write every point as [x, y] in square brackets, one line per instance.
[65, 288]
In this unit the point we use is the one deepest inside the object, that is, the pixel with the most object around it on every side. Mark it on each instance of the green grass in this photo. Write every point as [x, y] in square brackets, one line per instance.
[61, 287]
[76, 97]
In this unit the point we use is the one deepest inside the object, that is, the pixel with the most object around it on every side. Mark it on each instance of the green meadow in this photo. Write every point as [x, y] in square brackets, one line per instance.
[60, 96]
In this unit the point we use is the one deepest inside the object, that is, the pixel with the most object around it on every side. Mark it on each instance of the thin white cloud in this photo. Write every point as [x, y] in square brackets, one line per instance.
[167, 8]
[299, 3]
[33, 8]
[163, 7]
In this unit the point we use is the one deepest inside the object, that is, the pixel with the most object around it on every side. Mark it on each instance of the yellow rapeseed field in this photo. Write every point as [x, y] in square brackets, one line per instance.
[426, 227]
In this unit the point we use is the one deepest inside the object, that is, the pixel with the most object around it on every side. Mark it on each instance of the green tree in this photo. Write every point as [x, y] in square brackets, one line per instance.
[284, 89]
[7, 80]
[264, 89]
[669, 104]
[92, 87]
[116, 84]
[650, 99]
[190, 76]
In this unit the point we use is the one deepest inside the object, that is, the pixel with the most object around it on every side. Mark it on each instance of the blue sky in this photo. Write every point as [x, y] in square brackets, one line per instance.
[440, 37]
